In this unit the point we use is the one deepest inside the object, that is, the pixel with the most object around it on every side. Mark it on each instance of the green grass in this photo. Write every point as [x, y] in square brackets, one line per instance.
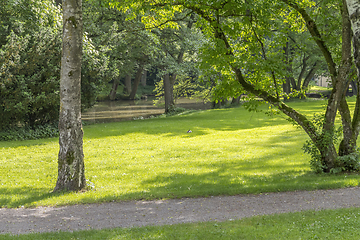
[318, 88]
[230, 151]
[326, 224]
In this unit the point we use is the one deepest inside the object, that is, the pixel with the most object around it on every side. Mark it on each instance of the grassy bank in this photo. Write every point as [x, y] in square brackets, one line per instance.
[230, 151]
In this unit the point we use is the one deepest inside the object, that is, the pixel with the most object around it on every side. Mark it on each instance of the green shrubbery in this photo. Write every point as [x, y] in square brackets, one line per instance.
[30, 56]
[28, 133]
[346, 163]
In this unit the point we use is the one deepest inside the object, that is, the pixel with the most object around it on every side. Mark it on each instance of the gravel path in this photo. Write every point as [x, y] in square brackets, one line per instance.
[141, 213]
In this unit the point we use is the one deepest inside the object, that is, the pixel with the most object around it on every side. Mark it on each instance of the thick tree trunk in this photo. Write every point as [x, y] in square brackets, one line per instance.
[137, 80]
[128, 84]
[348, 145]
[112, 94]
[354, 16]
[71, 168]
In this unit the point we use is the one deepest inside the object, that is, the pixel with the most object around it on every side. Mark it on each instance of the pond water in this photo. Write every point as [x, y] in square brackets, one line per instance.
[112, 111]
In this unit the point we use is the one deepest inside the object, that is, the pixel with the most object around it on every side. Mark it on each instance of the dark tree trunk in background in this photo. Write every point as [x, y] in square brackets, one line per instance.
[310, 76]
[143, 78]
[112, 94]
[127, 84]
[169, 93]
[137, 80]
[71, 170]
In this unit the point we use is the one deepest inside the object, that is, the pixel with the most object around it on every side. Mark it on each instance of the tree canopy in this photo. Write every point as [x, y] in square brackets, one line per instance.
[246, 41]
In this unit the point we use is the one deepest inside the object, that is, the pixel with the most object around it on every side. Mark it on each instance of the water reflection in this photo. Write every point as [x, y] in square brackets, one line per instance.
[111, 111]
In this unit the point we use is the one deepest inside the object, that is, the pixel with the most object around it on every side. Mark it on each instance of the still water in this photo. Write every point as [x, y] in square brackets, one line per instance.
[111, 111]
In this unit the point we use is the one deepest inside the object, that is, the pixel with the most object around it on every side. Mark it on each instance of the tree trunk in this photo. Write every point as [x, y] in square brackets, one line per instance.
[289, 52]
[143, 78]
[169, 93]
[309, 76]
[354, 88]
[303, 70]
[137, 79]
[353, 11]
[71, 170]
[127, 84]
[348, 145]
[169, 81]
[112, 94]
[326, 148]
[286, 86]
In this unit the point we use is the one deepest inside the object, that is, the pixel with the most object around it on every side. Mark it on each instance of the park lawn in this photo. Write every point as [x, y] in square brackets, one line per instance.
[325, 224]
[318, 88]
[230, 151]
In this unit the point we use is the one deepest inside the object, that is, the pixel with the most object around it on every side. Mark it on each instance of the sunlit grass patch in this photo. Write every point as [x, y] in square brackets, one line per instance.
[229, 151]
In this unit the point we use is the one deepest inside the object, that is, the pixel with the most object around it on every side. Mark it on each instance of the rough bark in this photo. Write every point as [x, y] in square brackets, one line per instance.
[137, 80]
[71, 168]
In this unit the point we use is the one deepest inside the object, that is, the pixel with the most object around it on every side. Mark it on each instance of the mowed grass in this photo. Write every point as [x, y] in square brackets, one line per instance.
[230, 151]
[326, 224]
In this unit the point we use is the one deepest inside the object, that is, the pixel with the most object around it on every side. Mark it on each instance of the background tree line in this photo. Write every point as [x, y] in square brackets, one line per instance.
[268, 50]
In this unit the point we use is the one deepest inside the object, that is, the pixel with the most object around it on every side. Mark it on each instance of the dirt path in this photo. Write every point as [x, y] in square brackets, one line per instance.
[140, 213]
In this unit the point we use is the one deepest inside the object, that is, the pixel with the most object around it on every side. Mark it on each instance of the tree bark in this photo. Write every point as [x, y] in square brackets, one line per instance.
[137, 80]
[71, 170]
[354, 16]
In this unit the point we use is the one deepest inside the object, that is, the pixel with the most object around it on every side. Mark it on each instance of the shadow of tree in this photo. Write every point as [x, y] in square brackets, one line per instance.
[23, 196]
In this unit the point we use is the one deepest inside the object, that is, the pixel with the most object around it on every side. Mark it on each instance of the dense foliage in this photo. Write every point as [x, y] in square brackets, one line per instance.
[30, 53]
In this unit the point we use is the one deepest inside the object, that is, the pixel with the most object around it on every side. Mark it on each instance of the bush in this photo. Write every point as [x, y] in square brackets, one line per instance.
[27, 133]
[30, 58]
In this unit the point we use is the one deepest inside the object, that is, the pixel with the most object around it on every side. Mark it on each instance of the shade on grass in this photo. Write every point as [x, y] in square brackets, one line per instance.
[230, 151]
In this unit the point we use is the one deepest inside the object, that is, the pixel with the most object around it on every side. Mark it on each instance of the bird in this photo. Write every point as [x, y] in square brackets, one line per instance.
[189, 131]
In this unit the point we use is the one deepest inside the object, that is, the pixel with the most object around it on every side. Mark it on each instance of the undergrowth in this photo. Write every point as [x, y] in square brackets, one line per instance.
[28, 133]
